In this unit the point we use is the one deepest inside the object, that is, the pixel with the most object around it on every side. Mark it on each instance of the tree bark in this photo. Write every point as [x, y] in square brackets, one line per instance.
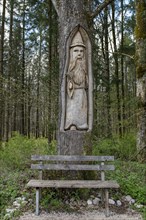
[50, 74]
[107, 72]
[23, 128]
[2, 31]
[122, 68]
[141, 77]
[38, 88]
[29, 105]
[8, 127]
[116, 69]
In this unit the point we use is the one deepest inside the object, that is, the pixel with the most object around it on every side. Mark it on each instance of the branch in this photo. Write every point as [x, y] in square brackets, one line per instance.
[56, 6]
[100, 8]
[119, 53]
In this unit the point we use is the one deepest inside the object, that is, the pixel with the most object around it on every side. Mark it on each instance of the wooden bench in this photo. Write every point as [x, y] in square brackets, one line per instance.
[70, 163]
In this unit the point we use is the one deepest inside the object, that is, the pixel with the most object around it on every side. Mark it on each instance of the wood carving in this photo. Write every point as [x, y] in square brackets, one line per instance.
[77, 111]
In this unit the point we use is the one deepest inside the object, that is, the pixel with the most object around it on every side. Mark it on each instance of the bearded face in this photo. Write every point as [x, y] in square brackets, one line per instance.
[77, 57]
[78, 52]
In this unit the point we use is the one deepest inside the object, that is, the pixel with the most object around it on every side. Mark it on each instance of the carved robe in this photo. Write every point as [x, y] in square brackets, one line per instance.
[76, 100]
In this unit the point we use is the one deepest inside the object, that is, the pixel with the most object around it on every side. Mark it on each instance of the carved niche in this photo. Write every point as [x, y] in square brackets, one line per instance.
[76, 89]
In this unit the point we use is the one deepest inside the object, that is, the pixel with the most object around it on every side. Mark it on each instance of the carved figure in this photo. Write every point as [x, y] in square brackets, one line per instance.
[76, 87]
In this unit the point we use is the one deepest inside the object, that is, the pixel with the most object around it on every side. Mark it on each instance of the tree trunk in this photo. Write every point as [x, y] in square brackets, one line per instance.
[8, 127]
[23, 128]
[2, 31]
[107, 76]
[38, 89]
[141, 77]
[71, 18]
[29, 105]
[122, 68]
[116, 69]
[50, 74]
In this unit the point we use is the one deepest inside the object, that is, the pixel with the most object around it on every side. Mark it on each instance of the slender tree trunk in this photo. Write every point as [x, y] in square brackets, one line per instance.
[15, 117]
[29, 106]
[17, 74]
[50, 74]
[116, 70]
[23, 129]
[107, 77]
[2, 31]
[122, 67]
[8, 127]
[38, 89]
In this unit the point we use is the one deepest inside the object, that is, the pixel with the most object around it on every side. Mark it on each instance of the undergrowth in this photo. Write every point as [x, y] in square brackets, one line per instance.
[15, 171]
[123, 148]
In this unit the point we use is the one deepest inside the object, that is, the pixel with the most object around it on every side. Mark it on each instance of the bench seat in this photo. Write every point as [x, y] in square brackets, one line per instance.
[73, 184]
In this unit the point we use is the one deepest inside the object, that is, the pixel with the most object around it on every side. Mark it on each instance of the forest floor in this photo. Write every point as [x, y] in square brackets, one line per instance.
[128, 214]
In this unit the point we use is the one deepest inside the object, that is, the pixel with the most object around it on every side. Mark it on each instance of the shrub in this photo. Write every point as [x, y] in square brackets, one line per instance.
[16, 153]
[131, 177]
[15, 163]
[122, 148]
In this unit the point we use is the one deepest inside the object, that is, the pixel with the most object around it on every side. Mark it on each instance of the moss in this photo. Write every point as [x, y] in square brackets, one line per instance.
[140, 30]
[140, 70]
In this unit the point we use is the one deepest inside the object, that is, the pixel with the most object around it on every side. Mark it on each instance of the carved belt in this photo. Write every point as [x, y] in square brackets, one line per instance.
[79, 88]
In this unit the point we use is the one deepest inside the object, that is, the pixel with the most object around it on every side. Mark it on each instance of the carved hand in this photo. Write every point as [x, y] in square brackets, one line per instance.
[70, 85]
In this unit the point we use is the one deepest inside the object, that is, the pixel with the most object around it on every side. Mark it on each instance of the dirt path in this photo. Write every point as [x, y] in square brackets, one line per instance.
[84, 215]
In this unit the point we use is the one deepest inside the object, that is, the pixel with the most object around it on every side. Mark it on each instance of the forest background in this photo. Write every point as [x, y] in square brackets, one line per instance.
[30, 83]
[30, 69]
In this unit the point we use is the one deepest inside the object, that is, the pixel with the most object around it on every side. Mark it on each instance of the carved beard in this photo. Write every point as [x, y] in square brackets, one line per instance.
[77, 71]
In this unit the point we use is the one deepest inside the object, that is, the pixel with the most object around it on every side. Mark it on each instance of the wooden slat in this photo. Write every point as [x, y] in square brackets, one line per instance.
[71, 167]
[73, 184]
[71, 158]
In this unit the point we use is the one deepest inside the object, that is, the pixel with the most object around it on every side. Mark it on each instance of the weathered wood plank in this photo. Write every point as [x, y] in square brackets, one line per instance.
[71, 167]
[73, 184]
[71, 158]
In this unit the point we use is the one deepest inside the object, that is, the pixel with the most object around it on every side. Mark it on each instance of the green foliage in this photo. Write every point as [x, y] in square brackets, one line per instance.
[122, 148]
[131, 177]
[140, 30]
[52, 199]
[144, 214]
[12, 185]
[15, 169]
[81, 194]
[16, 153]
[16, 172]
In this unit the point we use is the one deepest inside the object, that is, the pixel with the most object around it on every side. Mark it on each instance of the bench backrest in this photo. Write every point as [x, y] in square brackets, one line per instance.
[63, 162]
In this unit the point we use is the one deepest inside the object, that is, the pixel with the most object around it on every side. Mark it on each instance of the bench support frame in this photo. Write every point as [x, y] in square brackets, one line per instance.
[37, 200]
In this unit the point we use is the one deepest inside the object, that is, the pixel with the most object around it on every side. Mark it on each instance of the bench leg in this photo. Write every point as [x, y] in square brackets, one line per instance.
[102, 196]
[37, 200]
[107, 202]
